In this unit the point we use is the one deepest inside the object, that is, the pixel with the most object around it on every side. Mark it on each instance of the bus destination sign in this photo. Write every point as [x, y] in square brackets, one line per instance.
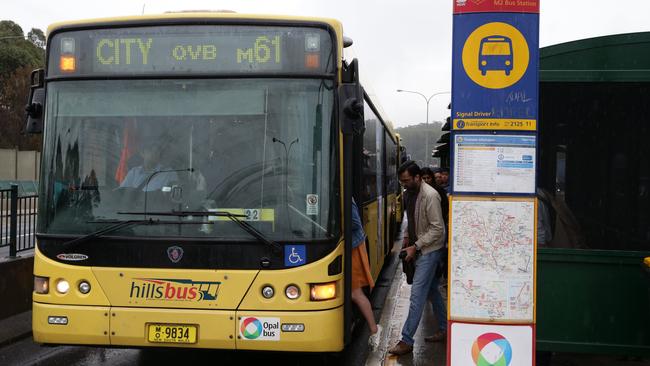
[192, 49]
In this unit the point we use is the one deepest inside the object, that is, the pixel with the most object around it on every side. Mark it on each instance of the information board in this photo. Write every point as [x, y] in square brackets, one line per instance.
[492, 251]
[494, 163]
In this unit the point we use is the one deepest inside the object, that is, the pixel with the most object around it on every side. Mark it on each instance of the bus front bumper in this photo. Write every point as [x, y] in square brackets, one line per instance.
[301, 331]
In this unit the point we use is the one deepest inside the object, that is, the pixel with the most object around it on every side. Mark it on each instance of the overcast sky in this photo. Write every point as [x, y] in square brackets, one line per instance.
[400, 44]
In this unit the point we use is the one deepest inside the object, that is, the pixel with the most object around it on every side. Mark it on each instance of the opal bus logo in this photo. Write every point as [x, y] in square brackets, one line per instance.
[491, 349]
[251, 328]
[259, 329]
[166, 289]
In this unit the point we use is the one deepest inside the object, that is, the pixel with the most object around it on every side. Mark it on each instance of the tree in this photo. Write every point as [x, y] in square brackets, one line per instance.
[37, 37]
[18, 57]
[16, 51]
[14, 92]
[414, 138]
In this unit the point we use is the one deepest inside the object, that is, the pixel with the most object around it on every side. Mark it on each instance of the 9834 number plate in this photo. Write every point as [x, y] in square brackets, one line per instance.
[171, 333]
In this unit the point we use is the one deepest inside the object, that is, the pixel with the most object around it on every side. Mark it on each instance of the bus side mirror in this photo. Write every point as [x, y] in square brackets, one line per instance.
[351, 109]
[34, 107]
[351, 100]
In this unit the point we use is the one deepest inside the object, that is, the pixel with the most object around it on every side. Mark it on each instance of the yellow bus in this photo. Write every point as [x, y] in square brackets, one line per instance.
[197, 177]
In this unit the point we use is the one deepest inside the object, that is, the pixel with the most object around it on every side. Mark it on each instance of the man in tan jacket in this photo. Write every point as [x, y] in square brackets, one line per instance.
[424, 244]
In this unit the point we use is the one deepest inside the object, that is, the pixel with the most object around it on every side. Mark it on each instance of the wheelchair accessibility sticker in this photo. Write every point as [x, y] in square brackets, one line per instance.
[295, 255]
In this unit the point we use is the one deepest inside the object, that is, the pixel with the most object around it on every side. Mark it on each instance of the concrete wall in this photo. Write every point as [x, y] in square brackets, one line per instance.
[19, 165]
[16, 285]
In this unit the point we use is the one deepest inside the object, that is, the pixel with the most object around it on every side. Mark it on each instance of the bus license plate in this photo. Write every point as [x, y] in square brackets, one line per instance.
[172, 333]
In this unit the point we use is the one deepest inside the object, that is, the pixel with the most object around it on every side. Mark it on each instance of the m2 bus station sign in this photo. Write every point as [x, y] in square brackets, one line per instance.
[496, 6]
[493, 205]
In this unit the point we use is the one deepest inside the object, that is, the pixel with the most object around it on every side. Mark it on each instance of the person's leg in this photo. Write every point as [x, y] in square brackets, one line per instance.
[422, 279]
[359, 298]
[437, 302]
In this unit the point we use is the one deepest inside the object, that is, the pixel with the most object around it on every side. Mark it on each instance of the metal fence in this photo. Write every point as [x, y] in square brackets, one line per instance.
[17, 220]
[25, 187]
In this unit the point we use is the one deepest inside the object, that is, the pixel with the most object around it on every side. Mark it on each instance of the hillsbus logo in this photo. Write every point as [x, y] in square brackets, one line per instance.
[167, 289]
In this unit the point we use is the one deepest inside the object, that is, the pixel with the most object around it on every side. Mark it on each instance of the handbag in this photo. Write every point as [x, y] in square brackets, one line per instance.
[408, 267]
[409, 270]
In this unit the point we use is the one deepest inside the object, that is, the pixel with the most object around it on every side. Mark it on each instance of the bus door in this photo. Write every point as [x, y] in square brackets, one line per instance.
[371, 187]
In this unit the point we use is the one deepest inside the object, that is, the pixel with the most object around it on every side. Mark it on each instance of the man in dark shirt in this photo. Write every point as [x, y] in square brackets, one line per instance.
[428, 177]
[424, 245]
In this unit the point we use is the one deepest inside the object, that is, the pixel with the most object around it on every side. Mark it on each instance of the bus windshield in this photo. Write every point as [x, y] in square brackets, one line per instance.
[124, 149]
[491, 48]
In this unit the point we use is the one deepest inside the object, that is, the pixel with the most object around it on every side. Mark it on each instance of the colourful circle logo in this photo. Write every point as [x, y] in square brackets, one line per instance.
[251, 328]
[495, 55]
[491, 349]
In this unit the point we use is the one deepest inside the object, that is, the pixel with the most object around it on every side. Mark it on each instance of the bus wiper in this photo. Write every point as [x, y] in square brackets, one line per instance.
[233, 217]
[116, 226]
[248, 228]
[119, 225]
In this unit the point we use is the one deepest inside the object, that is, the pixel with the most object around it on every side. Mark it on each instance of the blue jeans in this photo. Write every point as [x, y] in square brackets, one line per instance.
[424, 288]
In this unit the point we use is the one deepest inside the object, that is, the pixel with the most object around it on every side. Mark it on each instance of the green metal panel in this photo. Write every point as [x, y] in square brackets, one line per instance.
[593, 301]
[623, 57]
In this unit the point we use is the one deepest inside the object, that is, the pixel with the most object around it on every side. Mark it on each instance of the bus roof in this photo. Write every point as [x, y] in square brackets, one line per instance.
[190, 15]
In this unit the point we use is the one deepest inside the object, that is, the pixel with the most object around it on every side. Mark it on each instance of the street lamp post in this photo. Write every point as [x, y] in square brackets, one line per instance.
[427, 152]
[13, 37]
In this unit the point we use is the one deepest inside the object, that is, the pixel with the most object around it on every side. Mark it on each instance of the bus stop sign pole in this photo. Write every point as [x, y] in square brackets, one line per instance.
[493, 160]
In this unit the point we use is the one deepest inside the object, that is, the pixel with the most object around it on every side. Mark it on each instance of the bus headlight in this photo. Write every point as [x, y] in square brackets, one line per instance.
[41, 285]
[62, 286]
[292, 292]
[268, 292]
[84, 287]
[323, 291]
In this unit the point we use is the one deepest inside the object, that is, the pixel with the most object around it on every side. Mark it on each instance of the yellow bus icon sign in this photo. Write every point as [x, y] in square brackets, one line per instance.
[495, 55]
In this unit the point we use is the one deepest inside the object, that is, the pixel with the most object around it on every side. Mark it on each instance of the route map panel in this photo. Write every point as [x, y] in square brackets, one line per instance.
[492, 249]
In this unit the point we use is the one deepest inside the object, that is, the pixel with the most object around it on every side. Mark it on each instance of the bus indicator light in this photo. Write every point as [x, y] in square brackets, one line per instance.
[41, 285]
[67, 64]
[323, 291]
[312, 60]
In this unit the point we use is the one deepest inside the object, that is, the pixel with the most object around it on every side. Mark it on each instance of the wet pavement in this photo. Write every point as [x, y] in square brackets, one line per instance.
[393, 317]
